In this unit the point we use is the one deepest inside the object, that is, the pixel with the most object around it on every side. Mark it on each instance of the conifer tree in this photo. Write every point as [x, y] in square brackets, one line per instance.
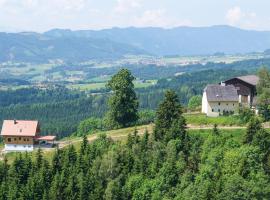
[253, 128]
[84, 145]
[215, 130]
[168, 111]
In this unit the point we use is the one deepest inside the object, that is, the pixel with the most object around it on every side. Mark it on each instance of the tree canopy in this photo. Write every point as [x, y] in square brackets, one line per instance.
[123, 103]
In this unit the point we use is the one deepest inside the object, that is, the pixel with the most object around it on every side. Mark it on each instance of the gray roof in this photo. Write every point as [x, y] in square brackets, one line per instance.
[251, 79]
[221, 93]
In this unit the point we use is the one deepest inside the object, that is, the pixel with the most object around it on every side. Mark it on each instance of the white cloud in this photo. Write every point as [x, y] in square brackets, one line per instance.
[124, 6]
[234, 15]
[245, 19]
[159, 18]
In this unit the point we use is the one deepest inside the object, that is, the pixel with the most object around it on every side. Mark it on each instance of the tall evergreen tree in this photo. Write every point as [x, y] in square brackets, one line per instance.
[168, 111]
[253, 128]
[123, 104]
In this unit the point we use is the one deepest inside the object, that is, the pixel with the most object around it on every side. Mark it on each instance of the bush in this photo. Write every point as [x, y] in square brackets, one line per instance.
[246, 114]
[146, 117]
[195, 102]
[89, 126]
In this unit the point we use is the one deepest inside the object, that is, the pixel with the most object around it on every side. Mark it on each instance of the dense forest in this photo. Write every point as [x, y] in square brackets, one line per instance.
[171, 163]
[59, 110]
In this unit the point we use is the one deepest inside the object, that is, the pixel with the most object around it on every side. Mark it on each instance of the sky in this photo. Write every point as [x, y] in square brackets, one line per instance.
[43, 15]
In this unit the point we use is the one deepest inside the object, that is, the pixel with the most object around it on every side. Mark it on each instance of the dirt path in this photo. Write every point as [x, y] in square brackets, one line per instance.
[141, 131]
[123, 133]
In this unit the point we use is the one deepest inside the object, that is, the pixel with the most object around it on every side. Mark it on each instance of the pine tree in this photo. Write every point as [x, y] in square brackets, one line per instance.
[84, 145]
[168, 111]
[56, 188]
[39, 159]
[253, 128]
[215, 130]
[144, 141]
[56, 163]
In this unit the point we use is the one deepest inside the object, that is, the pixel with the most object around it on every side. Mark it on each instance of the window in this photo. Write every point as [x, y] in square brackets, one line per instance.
[15, 139]
[227, 104]
[20, 138]
[29, 146]
[15, 146]
[9, 139]
[27, 139]
[219, 103]
[24, 139]
[218, 110]
[213, 110]
[233, 104]
[24, 146]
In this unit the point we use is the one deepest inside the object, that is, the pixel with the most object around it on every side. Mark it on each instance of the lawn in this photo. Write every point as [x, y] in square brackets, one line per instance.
[201, 119]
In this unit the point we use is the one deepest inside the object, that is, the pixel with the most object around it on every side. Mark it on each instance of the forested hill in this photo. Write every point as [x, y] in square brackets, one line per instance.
[180, 40]
[114, 43]
[34, 47]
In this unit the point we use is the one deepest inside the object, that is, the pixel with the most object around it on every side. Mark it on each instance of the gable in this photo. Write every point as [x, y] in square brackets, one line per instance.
[20, 128]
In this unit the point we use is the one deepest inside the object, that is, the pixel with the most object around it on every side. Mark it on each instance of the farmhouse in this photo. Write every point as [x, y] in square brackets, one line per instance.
[19, 135]
[246, 89]
[227, 97]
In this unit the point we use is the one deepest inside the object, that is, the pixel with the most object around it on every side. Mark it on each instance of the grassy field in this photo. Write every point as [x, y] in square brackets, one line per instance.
[102, 85]
[201, 119]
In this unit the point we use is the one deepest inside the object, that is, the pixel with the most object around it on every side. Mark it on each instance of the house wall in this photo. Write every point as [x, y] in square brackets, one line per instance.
[216, 108]
[204, 103]
[18, 140]
[245, 91]
[19, 147]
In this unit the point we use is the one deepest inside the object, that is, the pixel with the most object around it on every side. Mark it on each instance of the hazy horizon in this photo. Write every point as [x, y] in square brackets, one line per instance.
[116, 27]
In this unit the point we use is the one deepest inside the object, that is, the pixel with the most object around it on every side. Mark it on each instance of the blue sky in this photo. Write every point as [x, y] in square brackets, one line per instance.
[42, 15]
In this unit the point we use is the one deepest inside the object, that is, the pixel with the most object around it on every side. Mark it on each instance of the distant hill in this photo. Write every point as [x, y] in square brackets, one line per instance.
[116, 42]
[180, 40]
[33, 47]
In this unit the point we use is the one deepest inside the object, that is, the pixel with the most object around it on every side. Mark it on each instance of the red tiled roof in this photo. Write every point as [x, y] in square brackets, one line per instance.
[19, 128]
[46, 138]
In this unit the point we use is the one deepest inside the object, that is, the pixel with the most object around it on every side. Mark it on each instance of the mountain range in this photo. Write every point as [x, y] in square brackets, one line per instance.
[83, 45]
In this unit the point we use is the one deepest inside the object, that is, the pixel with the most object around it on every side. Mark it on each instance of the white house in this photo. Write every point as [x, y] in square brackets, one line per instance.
[21, 135]
[219, 99]
[228, 96]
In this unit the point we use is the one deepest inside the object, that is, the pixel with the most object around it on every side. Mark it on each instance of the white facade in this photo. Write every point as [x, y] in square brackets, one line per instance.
[215, 109]
[19, 147]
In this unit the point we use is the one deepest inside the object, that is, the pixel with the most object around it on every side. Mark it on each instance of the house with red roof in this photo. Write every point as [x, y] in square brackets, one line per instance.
[21, 135]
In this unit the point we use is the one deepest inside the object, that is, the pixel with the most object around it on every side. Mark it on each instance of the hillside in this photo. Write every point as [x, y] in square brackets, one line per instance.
[180, 40]
[34, 47]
